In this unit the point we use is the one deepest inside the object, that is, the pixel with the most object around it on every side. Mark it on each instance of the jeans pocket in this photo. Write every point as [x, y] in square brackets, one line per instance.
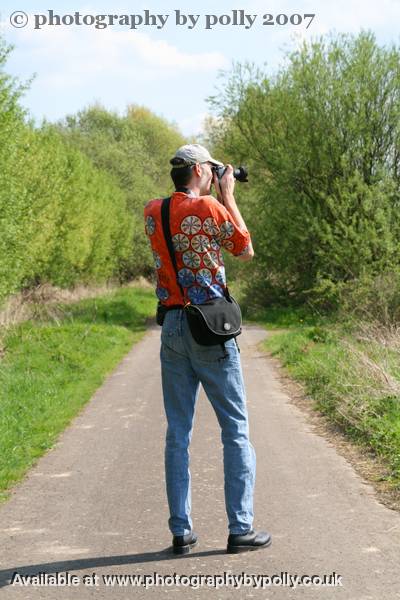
[172, 325]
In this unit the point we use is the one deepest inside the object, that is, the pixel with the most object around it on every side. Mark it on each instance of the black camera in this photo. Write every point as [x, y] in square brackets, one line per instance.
[240, 174]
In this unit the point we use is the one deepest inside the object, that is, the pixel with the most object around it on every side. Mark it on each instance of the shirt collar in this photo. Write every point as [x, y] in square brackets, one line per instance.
[189, 193]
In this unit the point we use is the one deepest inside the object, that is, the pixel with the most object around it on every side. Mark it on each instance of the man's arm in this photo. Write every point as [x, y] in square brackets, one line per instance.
[224, 190]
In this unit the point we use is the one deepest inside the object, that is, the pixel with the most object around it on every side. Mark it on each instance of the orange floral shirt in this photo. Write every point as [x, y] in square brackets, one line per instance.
[200, 227]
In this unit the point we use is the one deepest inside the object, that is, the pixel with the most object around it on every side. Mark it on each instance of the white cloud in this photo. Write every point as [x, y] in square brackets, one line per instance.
[78, 52]
[161, 54]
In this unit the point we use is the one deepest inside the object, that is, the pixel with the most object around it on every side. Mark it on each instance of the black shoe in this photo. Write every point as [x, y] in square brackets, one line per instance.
[252, 540]
[181, 544]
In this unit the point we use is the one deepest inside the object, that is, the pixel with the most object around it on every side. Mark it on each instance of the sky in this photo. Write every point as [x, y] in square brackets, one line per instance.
[153, 61]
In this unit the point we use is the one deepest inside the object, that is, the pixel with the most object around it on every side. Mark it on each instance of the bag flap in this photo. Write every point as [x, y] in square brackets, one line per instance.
[220, 315]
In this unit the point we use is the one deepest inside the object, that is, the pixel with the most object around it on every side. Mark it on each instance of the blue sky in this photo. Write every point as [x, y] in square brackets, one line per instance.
[173, 69]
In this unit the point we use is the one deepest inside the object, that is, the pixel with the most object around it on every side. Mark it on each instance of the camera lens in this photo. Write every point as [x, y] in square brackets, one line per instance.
[240, 174]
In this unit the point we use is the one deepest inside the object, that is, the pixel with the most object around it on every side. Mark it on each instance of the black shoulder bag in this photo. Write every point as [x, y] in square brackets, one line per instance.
[213, 322]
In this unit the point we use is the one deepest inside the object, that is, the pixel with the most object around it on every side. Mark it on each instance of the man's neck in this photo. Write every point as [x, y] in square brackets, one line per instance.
[190, 191]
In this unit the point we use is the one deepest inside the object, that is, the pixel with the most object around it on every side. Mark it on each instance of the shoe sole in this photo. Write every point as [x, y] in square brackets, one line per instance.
[247, 547]
[179, 550]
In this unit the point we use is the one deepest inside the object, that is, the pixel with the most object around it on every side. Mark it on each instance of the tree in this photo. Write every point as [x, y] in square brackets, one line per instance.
[134, 150]
[322, 139]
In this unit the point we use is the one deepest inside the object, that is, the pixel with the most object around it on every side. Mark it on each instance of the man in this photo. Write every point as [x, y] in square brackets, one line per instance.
[200, 226]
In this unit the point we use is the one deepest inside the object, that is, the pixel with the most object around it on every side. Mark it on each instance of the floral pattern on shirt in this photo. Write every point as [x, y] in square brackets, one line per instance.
[200, 228]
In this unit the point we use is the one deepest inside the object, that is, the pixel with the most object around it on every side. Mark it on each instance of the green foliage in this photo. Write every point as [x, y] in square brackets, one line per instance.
[133, 150]
[72, 193]
[373, 298]
[63, 220]
[322, 141]
[52, 368]
[351, 375]
[11, 203]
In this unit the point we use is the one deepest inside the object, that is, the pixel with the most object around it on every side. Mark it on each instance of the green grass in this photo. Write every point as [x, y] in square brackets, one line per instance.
[52, 367]
[351, 376]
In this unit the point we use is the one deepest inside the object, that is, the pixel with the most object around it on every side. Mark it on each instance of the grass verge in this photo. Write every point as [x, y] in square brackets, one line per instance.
[51, 365]
[351, 372]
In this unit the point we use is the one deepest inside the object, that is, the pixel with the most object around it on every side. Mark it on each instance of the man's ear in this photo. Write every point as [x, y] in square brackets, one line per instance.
[197, 169]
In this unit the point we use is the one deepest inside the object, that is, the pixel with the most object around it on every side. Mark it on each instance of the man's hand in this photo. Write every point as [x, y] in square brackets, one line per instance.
[224, 188]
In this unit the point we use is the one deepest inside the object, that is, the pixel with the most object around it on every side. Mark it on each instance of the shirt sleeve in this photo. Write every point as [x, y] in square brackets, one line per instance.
[228, 234]
[149, 222]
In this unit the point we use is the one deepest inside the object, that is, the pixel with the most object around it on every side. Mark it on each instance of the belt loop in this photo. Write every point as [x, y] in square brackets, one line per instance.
[226, 354]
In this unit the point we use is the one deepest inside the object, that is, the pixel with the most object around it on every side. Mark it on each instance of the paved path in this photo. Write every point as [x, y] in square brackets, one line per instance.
[95, 504]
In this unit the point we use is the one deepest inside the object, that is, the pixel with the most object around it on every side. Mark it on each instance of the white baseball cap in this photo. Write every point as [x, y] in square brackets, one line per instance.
[190, 154]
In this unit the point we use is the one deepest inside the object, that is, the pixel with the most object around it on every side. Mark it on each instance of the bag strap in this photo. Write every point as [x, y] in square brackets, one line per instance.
[165, 206]
[167, 234]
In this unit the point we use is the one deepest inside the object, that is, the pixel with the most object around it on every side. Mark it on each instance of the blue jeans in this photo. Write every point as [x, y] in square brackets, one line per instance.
[184, 365]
